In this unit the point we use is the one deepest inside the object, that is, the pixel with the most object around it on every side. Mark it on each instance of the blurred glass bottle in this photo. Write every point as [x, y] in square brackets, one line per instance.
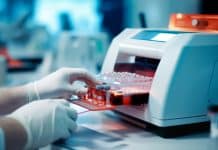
[213, 114]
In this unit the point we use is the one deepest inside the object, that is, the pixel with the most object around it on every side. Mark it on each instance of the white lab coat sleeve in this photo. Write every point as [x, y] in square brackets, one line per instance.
[2, 140]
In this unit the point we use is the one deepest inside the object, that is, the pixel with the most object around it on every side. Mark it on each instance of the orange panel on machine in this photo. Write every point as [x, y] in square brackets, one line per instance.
[194, 22]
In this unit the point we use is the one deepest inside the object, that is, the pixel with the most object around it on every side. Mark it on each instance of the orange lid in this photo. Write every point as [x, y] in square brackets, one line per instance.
[194, 22]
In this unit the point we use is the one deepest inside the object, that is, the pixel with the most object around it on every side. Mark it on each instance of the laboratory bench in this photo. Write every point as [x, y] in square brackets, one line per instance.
[105, 130]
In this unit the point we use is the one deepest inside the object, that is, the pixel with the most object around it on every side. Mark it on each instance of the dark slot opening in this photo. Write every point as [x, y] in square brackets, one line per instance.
[141, 66]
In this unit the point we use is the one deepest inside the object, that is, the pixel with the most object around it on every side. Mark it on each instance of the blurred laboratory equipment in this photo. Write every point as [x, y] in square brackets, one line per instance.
[3, 69]
[213, 114]
[34, 52]
[157, 12]
[66, 24]
[23, 44]
[37, 41]
[81, 50]
[26, 49]
[113, 13]
[76, 15]
[142, 20]
[14, 30]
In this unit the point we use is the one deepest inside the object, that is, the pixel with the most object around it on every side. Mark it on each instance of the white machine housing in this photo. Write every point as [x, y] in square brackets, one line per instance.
[185, 81]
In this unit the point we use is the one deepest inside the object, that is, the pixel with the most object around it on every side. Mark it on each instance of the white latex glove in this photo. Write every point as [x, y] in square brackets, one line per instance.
[60, 83]
[46, 121]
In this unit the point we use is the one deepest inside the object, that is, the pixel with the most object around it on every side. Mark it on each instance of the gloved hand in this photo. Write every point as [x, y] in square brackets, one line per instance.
[60, 83]
[46, 121]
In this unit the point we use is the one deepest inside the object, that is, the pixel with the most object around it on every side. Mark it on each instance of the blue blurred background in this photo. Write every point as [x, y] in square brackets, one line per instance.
[97, 15]
[77, 33]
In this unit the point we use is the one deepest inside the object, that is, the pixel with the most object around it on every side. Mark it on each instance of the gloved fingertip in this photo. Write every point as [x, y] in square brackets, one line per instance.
[73, 126]
[71, 89]
[81, 91]
[72, 113]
